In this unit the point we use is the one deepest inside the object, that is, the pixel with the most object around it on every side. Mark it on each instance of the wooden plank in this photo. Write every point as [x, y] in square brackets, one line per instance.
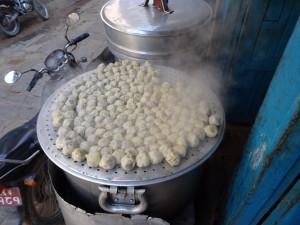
[288, 210]
[273, 146]
[288, 30]
[274, 10]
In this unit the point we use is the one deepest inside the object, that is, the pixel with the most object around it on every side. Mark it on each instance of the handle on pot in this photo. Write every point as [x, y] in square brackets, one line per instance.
[160, 4]
[122, 208]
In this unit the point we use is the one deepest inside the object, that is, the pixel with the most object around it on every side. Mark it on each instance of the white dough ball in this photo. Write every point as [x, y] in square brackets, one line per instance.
[128, 162]
[214, 120]
[93, 159]
[78, 155]
[155, 157]
[211, 130]
[118, 154]
[142, 159]
[173, 158]
[107, 162]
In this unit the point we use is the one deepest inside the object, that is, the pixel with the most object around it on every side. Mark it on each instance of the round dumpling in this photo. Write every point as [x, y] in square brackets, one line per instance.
[214, 120]
[155, 157]
[192, 139]
[131, 151]
[137, 141]
[211, 130]
[71, 134]
[181, 141]
[78, 155]
[95, 149]
[126, 144]
[57, 121]
[118, 154]
[70, 114]
[93, 159]
[59, 142]
[80, 130]
[128, 162]
[89, 131]
[142, 159]
[106, 150]
[104, 142]
[100, 131]
[115, 144]
[181, 150]
[93, 138]
[62, 131]
[69, 146]
[107, 162]
[164, 149]
[149, 140]
[173, 158]
[85, 145]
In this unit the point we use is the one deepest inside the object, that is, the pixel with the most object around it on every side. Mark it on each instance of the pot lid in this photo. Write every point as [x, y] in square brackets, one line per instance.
[134, 18]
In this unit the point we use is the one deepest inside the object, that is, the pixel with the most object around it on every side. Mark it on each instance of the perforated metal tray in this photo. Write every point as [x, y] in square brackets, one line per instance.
[47, 135]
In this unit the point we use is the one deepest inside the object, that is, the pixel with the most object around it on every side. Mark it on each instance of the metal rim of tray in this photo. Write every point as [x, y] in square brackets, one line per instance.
[138, 176]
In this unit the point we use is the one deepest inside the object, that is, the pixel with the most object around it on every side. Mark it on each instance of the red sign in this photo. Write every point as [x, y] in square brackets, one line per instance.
[10, 197]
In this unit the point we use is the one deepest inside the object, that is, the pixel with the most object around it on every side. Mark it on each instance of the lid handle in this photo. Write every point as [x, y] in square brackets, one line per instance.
[160, 4]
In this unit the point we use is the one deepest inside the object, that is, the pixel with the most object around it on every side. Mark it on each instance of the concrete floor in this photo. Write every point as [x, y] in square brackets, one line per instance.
[30, 47]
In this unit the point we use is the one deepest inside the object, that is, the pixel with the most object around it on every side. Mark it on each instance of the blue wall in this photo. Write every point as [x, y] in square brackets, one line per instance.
[271, 157]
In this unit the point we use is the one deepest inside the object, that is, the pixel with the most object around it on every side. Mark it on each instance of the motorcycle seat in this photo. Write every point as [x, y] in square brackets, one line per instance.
[12, 144]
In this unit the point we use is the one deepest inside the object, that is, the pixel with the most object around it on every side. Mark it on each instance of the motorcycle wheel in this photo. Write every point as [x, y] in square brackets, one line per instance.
[41, 204]
[40, 7]
[10, 28]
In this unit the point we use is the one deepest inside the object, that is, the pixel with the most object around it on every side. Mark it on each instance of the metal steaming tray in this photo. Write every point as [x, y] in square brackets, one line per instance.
[138, 176]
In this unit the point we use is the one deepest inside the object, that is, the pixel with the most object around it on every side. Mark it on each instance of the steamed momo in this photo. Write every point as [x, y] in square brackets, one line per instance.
[93, 159]
[127, 114]
[211, 130]
[156, 157]
[107, 162]
[118, 154]
[142, 159]
[78, 154]
[128, 162]
[173, 158]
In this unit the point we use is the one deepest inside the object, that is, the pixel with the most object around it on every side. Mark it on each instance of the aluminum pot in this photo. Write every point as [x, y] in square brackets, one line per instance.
[162, 200]
[146, 33]
[159, 190]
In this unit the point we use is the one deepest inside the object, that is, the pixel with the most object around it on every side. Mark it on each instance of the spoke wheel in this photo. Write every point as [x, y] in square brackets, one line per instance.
[40, 7]
[10, 28]
[41, 203]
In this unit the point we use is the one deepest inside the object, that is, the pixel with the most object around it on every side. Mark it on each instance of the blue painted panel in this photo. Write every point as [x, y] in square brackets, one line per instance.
[272, 154]
[274, 10]
[258, 35]
[288, 210]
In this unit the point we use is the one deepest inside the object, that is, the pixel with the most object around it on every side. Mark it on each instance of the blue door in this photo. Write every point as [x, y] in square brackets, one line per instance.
[266, 187]
[256, 33]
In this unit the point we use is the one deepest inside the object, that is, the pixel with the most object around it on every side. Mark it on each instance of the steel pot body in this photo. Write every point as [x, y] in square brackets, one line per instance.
[163, 199]
[146, 33]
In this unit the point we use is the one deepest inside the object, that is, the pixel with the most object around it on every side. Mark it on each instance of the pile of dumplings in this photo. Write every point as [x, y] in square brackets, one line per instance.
[126, 115]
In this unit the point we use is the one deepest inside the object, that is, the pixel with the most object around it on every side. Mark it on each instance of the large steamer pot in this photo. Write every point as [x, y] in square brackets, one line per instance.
[158, 190]
[163, 199]
[146, 33]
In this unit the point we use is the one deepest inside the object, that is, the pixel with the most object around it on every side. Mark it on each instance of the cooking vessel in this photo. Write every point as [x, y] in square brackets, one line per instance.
[158, 190]
[147, 33]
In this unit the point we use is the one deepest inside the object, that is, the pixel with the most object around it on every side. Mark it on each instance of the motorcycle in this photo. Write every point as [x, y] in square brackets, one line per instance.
[10, 10]
[23, 164]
